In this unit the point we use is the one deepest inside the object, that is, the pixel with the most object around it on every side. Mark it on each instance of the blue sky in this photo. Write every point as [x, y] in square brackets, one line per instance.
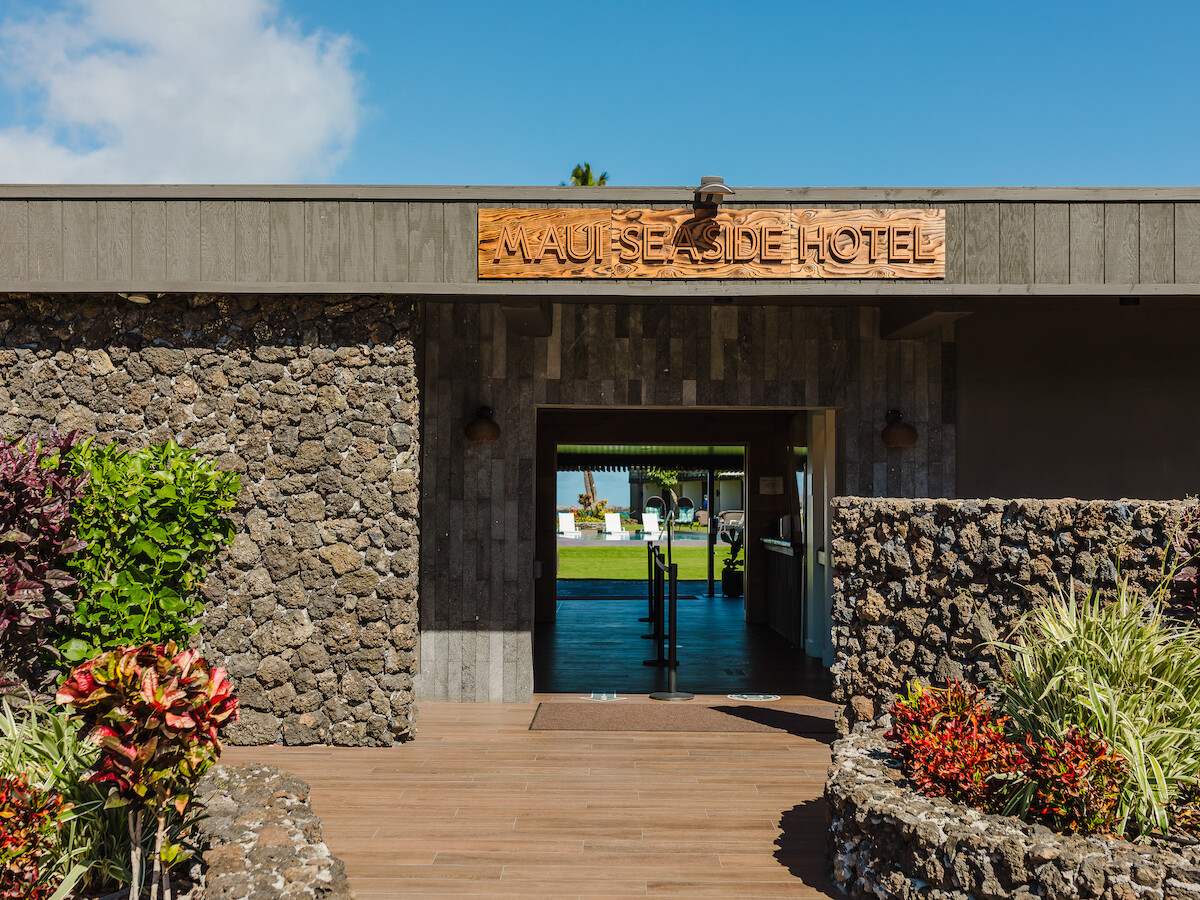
[873, 93]
[610, 486]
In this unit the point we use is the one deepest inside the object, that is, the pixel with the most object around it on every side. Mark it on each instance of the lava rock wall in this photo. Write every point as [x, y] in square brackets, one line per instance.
[922, 586]
[314, 402]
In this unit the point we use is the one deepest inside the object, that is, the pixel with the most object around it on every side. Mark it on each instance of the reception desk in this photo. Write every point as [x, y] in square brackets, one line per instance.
[785, 588]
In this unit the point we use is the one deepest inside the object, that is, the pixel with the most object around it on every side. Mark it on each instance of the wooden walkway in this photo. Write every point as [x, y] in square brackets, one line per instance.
[480, 806]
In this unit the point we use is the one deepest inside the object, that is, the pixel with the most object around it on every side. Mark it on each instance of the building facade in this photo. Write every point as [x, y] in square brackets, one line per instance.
[331, 344]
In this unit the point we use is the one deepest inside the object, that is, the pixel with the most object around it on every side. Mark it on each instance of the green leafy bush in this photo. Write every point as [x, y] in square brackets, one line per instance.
[153, 521]
[1118, 667]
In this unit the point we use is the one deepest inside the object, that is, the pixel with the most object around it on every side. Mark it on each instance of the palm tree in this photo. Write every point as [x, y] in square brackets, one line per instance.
[581, 176]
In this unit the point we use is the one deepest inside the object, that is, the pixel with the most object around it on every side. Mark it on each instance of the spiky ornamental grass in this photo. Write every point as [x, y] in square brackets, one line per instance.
[1117, 666]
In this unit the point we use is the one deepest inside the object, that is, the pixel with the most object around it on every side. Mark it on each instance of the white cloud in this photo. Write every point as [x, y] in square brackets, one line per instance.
[174, 91]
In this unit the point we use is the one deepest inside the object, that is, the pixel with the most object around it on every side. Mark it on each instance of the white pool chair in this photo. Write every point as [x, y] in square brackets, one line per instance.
[612, 528]
[566, 526]
[651, 530]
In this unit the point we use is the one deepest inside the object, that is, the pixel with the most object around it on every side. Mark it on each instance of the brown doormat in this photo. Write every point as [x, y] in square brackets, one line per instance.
[681, 716]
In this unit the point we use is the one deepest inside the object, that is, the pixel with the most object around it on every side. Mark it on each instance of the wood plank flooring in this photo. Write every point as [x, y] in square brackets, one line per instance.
[479, 806]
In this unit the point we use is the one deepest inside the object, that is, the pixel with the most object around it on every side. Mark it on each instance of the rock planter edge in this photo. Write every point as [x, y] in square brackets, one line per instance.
[887, 840]
[260, 839]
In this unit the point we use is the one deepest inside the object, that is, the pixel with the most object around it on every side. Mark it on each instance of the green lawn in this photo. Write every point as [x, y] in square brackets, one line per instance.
[628, 562]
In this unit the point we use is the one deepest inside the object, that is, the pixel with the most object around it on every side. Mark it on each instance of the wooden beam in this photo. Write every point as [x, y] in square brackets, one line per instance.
[532, 318]
[899, 320]
[812, 292]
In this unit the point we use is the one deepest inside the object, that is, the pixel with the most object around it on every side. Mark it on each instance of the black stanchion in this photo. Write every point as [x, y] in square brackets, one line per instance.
[649, 617]
[659, 595]
[672, 692]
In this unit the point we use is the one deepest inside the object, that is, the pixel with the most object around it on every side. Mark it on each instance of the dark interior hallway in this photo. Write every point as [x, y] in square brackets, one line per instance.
[595, 645]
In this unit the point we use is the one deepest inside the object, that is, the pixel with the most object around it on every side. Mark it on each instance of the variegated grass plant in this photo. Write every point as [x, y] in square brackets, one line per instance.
[1116, 665]
[48, 750]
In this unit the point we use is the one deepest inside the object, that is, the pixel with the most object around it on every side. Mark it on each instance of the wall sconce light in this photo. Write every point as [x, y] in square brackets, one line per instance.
[712, 190]
[897, 433]
[482, 428]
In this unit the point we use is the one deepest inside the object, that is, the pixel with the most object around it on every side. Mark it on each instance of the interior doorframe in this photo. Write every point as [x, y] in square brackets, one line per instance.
[755, 428]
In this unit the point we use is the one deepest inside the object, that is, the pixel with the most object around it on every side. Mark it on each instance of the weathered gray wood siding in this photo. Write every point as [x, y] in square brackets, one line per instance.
[429, 246]
[477, 500]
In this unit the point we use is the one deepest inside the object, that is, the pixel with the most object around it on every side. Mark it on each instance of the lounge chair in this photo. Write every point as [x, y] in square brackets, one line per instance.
[651, 530]
[687, 512]
[612, 528]
[730, 521]
[566, 526]
[655, 505]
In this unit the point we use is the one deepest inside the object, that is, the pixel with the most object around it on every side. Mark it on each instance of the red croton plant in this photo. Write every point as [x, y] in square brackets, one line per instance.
[156, 713]
[28, 820]
[953, 744]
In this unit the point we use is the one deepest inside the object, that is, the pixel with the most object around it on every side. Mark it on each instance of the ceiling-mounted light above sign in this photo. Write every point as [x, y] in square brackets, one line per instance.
[705, 243]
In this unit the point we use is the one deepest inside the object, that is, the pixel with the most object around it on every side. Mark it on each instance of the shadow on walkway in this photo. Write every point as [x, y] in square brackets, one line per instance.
[800, 826]
[819, 728]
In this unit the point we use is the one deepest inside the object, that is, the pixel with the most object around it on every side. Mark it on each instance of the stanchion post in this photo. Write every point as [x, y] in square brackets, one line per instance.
[659, 609]
[649, 617]
[672, 692]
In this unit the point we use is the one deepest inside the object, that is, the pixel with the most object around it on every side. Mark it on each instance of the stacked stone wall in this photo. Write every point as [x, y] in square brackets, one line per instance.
[922, 586]
[313, 401]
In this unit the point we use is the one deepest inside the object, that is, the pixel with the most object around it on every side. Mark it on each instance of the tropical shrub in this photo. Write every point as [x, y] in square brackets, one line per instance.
[1183, 563]
[951, 743]
[1071, 785]
[153, 520]
[46, 747]
[37, 488]
[1114, 666]
[29, 819]
[156, 713]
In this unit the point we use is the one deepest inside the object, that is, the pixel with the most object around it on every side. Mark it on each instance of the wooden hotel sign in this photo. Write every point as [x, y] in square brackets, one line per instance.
[730, 243]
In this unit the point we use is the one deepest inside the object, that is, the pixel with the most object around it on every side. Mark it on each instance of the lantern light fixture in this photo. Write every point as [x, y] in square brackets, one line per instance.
[712, 190]
[482, 428]
[897, 432]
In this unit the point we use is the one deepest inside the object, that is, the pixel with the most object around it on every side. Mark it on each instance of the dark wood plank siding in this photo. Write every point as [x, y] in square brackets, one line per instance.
[1087, 243]
[79, 240]
[478, 499]
[218, 231]
[1156, 243]
[1017, 243]
[148, 240]
[1052, 243]
[1187, 243]
[182, 252]
[1121, 243]
[45, 239]
[983, 243]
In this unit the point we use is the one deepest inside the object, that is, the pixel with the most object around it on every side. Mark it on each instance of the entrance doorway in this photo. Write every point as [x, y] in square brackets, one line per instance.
[587, 635]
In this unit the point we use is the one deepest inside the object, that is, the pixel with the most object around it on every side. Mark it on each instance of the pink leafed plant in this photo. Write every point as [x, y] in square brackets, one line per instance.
[156, 713]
